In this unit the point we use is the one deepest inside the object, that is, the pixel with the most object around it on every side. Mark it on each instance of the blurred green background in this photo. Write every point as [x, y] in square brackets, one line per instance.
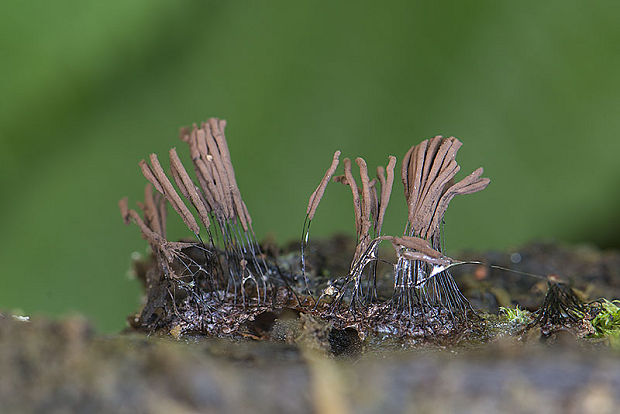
[89, 88]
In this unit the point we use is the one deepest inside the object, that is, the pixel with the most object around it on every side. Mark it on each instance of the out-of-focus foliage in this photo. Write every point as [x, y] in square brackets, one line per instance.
[89, 88]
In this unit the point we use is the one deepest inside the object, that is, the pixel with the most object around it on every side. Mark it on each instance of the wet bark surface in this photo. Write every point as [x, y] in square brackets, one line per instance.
[593, 273]
[289, 361]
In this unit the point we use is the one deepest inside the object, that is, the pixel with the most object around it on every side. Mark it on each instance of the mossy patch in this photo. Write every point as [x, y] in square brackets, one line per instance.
[606, 323]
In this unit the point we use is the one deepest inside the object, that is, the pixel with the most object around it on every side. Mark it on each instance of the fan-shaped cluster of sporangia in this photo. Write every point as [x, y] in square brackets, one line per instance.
[222, 212]
[421, 276]
[192, 279]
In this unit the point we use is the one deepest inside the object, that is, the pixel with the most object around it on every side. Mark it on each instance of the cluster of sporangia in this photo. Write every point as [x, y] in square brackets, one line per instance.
[421, 277]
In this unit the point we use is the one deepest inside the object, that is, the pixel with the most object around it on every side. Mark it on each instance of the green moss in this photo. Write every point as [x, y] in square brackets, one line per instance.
[515, 316]
[607, 322]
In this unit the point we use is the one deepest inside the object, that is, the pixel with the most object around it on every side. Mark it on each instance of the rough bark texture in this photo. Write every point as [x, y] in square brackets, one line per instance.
[306, 364]
[63, 367]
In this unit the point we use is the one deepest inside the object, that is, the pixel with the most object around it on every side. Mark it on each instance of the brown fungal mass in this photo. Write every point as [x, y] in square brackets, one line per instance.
[369, 211]
[317, 195]
[227, 269]
[212, 286]
[427, 172]
[386, 190]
